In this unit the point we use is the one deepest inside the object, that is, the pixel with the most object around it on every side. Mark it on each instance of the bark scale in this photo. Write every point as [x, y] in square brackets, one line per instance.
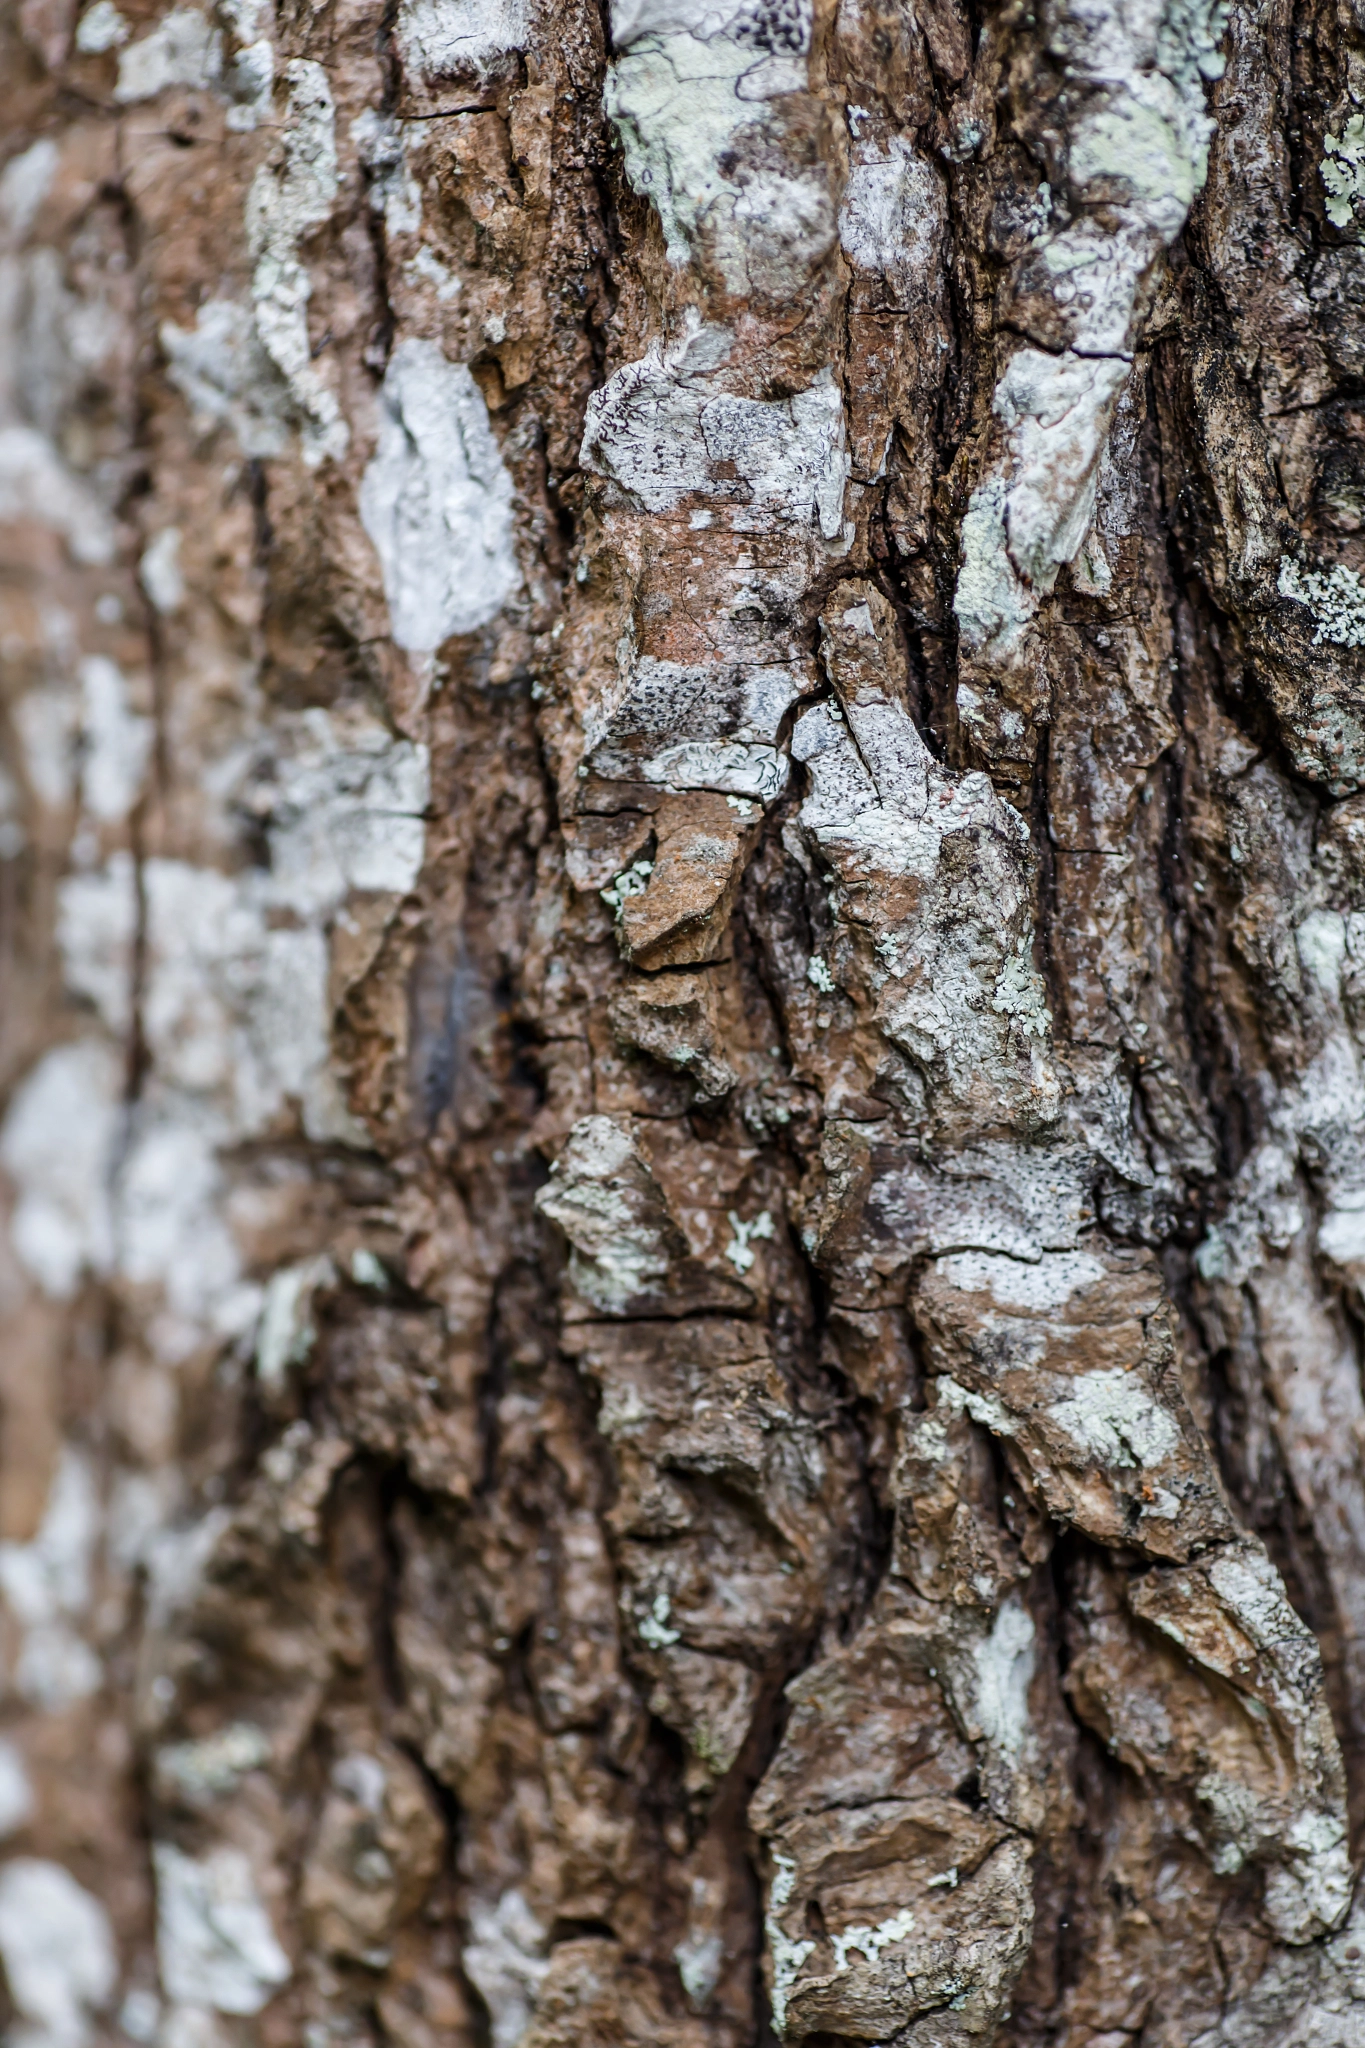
[683, 862]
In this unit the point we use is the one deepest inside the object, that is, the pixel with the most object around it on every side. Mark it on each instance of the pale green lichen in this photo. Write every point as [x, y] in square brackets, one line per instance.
[1151, 138]
[1343, 171]
[992, 606]
[673, 102]
[1019, 993]
[633, 881]
[737, 1251]
[653, 1628]
[1188, 39]
[1336, 598]
[887, 949]
[787, 1955]
[690, 102]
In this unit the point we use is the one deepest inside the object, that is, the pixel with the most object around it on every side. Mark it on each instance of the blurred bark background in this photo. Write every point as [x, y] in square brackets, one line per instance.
[682, 874]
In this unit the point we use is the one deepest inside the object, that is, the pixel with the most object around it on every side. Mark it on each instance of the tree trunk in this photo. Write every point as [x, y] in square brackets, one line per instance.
[684, 946]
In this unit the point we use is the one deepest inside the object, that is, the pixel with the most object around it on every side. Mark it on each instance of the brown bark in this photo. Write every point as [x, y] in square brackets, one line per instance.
[683, 887]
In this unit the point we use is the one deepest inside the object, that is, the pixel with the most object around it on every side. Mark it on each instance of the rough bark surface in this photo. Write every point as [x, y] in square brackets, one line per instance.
[682, 861]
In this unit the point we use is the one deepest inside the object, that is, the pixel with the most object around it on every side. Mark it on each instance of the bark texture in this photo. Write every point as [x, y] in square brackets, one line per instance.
[682, 864]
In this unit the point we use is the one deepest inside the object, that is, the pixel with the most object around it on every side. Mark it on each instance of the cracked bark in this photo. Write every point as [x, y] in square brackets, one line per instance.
[683, 886]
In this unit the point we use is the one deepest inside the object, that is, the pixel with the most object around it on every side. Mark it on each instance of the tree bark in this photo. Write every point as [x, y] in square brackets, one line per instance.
[683, 865]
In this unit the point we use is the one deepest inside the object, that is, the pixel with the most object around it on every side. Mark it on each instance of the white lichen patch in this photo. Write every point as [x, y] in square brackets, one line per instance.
[622, 1412]
[216, 1944]
[1309, 1892]
[13, 837]
[88, 741]
[184, 49]
[1230, 1613]
[604, 1200]
[892, 217]
[1137, 147]
[226, 377]
[737, 1251]
[382, 146]
[25, 183]
[442, 38]
[58, 1147]
[287, 1330]
[632, 881]
[208, 1770]
[37, 485]
[1022, 526]
[662, 431]
[1112, 1417]
[704, 725]
[47, 1587]
[869, 1942]
[236, 1018]
[1335, 597]
[427, 268]
[1343, 171]
[1003, 1664]
[436, 501]
[505, 1959]
[675, 105]
[57, 1946]
[1266, 1210]
[116, 741]
[159, 571]
[172, 1236]
[1047, 1283]
[1057, 412]
[1321, 943]
[699, 1961]
[291, 196]
[983, 1408]
[368, 1270]
[1252, 1590]
[879, 810]
[50, 1574]
[17, 1803]
[250, 77]
[1232, 1812]
[234, 1000]
[652, 1626]
[991, 605]
[343, 802]
[101, 28]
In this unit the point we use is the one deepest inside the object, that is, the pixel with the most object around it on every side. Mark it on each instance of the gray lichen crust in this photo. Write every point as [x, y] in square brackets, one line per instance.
[682, 912]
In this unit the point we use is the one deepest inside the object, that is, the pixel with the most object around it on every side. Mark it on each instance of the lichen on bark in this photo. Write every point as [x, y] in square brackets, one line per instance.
[682, 895]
